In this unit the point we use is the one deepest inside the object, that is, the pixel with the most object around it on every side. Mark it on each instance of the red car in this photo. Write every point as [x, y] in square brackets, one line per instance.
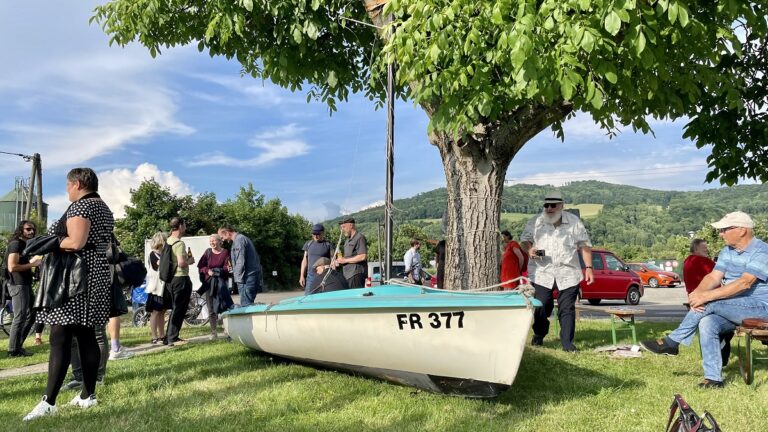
[613, 280]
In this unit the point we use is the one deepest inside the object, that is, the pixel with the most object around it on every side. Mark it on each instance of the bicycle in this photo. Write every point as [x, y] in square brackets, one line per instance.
[196, 307]
[6, 316]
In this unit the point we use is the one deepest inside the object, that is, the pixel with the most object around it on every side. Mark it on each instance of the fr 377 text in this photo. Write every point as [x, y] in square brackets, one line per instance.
[433, 319]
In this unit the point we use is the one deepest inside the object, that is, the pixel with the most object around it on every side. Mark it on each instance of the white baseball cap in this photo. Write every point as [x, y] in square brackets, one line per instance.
[735, 219]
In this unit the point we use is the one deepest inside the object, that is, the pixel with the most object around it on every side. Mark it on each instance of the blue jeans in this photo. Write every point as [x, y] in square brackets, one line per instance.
[717, 317]
[309, 281]
[249, 288]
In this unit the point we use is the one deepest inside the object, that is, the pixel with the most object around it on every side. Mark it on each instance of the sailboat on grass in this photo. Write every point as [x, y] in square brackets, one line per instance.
[453, 342]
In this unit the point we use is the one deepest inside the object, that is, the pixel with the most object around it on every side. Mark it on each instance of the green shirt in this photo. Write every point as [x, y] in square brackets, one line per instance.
[180, 251]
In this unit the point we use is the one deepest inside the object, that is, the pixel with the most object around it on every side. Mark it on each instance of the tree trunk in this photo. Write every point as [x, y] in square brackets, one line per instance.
[475, 183]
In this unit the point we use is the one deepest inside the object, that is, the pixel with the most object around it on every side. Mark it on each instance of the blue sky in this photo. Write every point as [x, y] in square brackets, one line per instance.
[195, 125]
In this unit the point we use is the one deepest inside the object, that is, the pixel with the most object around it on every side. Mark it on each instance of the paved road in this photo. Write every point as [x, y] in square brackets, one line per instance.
[660, 304]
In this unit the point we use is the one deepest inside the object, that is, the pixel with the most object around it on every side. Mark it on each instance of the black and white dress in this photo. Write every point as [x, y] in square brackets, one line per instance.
[90, 308]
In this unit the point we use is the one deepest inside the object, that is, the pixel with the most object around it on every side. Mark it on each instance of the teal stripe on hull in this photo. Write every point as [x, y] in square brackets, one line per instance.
[390, 296]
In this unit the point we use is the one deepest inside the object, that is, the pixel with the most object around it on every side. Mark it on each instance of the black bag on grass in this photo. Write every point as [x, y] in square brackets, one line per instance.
[168, 264]
[687, 420]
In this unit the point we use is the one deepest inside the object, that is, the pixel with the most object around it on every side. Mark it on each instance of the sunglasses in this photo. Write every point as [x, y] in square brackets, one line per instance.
[550, 205]
[29, 229]
[722, 230]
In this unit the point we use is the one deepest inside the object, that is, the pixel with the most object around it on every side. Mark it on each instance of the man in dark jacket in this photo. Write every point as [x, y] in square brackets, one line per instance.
[326, 278]
[20, 287]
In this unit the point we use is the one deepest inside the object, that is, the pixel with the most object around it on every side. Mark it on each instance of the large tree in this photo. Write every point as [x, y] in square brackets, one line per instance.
[489, 74]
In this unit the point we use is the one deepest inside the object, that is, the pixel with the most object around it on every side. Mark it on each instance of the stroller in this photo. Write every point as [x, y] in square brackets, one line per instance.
[138, 302]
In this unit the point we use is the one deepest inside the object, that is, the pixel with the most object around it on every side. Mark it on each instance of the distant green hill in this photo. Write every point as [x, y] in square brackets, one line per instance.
[636, 220]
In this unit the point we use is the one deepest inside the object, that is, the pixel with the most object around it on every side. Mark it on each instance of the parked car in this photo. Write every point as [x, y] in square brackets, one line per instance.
[613, 280]
[374, 272]
[429, 279]
[654, 276]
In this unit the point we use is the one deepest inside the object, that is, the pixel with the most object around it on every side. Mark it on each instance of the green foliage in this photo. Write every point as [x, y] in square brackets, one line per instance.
[496, 63]
[277, 235]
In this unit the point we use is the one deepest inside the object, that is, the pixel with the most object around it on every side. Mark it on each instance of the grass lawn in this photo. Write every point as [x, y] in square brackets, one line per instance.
[587, 210]
[223, 386]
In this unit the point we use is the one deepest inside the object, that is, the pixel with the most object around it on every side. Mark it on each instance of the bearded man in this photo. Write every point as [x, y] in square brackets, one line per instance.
[553, 239]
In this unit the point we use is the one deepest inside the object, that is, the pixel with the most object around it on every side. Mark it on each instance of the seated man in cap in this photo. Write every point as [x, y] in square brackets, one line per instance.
[313, 249]
[737, 288]
[553, 239]
[355, 259]
[326, 278]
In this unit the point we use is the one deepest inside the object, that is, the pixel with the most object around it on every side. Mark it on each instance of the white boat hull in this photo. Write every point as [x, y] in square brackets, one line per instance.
[472, 352]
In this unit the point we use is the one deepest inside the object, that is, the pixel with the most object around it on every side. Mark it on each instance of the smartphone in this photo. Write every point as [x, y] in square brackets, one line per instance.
[540, 252]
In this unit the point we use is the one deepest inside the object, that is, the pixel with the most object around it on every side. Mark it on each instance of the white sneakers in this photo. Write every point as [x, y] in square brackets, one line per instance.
[84, 403]
[213, 336]
[40, 410]
[43, 408]
[120, 354]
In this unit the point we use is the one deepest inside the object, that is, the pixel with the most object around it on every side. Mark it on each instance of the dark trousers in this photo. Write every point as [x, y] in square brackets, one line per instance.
[61, 354]
[357, 281]
[566, 313]
[181, 290]
[23, 315]
[77, 365]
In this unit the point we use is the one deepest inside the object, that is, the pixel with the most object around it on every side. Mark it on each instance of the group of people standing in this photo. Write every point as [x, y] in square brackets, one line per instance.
[320, 264]
[215, 267]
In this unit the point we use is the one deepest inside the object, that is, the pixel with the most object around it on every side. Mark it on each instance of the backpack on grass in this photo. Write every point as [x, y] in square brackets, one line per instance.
[168, 263]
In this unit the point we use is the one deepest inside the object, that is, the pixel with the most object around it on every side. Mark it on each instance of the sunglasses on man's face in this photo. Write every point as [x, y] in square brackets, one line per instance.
[722, 230]
[550, 205]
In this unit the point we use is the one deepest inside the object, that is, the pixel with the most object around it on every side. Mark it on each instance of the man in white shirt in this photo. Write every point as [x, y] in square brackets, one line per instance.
[412, 261]
[553, 240]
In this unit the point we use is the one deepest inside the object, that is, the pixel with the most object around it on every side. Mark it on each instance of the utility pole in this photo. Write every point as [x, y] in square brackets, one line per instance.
[36, 177]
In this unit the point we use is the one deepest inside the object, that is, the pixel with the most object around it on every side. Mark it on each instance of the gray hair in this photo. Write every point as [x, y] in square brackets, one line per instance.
[158, 240]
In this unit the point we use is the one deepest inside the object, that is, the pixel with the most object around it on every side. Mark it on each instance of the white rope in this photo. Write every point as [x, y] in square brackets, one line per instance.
[525, 289]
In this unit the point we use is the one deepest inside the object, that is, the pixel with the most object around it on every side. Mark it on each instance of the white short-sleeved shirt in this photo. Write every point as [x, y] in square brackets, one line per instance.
[561, 247]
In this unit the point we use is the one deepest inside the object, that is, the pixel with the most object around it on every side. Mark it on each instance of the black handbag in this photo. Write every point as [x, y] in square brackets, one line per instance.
[63, 275]
[118, 305]
[687, 420]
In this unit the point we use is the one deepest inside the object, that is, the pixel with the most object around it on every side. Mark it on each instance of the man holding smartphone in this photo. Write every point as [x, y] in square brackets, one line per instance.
[553, 239]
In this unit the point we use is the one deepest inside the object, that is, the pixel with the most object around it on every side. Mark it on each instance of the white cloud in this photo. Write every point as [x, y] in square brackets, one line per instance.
[115, 187]
[251, 90]
[276, 144]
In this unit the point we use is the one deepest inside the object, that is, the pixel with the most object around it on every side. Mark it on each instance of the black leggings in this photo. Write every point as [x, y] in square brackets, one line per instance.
[61, 354]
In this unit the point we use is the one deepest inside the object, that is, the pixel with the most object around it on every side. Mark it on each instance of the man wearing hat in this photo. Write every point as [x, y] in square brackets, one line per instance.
[355, 259]
[737, 288]
[313, 249]
[326, 279]
[553, 239]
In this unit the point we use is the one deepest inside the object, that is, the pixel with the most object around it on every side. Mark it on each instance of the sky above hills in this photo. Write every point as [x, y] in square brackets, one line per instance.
[195, 125]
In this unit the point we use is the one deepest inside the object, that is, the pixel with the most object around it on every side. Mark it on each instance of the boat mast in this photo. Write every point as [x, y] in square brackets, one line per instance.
[386, 275]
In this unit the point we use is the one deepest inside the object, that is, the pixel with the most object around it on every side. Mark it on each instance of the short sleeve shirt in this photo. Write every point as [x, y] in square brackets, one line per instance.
[316, 250]
[179, 250]
[561, 244]
[353, 247]
[24, 277]
[753, 260]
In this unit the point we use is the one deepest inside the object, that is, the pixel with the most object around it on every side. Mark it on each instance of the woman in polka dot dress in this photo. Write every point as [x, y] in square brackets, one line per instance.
[86, 227]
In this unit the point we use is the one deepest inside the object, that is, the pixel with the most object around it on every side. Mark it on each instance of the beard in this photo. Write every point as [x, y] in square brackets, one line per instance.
[552, 218]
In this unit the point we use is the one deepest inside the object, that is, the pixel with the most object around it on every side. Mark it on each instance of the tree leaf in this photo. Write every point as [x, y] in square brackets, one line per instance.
[639, 43]
[611, 77]
[248, 5]
[672, 12]
[612, 23]
[682, 15]
[597, 99]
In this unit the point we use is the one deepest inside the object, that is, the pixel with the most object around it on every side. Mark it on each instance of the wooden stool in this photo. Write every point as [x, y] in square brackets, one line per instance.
[747, 358]
[622, 319]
